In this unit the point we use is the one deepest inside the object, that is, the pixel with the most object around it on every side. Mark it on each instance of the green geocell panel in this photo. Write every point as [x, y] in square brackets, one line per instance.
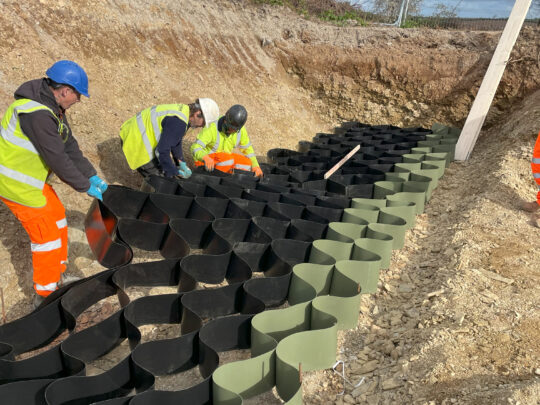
[325, 293]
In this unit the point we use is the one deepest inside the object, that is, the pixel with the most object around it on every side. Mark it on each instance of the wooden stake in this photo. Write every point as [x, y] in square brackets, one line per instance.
[341, 162]
[300, 372]
[3, 307]
[482, 102]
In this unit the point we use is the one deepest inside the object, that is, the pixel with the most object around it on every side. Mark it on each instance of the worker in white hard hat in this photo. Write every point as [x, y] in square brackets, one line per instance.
[152, 139]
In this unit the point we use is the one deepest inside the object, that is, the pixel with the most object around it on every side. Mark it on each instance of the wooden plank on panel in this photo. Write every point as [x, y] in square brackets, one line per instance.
[341, 162]
[493, 76]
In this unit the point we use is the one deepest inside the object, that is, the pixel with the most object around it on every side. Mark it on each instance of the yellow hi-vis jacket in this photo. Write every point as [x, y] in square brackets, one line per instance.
[140, 134]
[23, 172]
[210, 140]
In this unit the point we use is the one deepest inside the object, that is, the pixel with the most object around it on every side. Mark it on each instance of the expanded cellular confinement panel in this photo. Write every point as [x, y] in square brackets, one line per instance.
[284, 261]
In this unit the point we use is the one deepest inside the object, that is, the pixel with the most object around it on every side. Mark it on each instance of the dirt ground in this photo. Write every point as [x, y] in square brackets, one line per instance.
[456, 316]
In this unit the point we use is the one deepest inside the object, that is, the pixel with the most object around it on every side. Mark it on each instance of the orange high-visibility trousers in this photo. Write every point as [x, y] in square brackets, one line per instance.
[535, 166]
[226, 162]
[48, 232]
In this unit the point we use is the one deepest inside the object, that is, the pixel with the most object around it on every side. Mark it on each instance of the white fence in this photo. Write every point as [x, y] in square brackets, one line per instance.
[448, 14]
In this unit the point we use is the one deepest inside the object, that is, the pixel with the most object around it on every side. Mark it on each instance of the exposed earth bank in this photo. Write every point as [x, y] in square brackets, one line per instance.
[456, 317]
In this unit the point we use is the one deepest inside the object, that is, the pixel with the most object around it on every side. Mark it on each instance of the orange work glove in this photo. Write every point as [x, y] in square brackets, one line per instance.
[258, 171]
[208, 163]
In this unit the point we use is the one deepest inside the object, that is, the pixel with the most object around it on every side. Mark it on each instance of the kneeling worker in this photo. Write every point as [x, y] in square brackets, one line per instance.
[36, 141]
[214, 144]
[153, 135]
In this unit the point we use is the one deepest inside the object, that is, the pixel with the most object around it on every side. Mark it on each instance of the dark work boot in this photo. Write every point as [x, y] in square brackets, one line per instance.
[536, 220]
[38, 300]
[530, 206]
[66, 279]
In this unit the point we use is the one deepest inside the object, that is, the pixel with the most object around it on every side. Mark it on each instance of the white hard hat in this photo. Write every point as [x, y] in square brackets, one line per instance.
[209, 109]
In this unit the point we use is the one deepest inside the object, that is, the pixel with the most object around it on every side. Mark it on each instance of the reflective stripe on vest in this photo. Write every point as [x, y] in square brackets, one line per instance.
[218, 141]
[142, 130]
[201, 143]
[155, 126]
[21, 177]
[23, 172]
[61, 224]
[536, 160]
[141, 134]
[9, 133]
[154, 115]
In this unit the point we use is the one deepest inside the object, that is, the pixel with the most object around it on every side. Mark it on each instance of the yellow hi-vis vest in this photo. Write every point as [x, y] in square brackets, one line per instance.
[210, 140]
[23, 172]
[140, 134]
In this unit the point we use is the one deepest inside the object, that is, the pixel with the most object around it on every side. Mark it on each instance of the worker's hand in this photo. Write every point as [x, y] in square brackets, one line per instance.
[95, 192]
[99, 183]
[183, 170]
[258, 171]
[209, 163]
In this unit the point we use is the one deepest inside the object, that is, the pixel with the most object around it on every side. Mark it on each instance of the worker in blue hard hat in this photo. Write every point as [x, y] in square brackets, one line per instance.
[36, 141]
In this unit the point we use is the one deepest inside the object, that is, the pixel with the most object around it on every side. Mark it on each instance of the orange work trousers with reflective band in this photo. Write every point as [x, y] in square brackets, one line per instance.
[47, 228]
[535, 165]
[227, 162]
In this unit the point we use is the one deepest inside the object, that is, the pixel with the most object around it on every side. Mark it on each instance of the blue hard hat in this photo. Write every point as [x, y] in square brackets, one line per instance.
[68, 72]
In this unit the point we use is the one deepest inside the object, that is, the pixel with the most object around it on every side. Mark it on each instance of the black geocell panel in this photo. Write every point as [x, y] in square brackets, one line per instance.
[243, 226]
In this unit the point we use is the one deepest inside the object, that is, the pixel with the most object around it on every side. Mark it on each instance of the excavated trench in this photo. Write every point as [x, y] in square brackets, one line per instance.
[318, 242]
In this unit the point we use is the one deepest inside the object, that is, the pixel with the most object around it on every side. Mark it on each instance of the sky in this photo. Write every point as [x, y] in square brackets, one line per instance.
[469, 8]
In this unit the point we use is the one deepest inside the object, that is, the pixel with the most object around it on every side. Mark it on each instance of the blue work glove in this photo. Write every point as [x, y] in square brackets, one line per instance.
[184, 167]
[95, 192]
[99, 183]
[183, 170]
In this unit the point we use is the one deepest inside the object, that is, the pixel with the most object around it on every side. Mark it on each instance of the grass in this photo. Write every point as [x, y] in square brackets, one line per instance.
[341, 13]
[336, 12]
[410, 24]
[270, 2]
[343, 18]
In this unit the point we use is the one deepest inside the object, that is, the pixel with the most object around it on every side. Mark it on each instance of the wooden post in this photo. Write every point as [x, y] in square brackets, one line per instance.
[341, 162]
[3, 307]
[491, 80]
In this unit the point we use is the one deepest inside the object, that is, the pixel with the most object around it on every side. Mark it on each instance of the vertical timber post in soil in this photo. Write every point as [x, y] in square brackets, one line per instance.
[3, 307]
[489, 85]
